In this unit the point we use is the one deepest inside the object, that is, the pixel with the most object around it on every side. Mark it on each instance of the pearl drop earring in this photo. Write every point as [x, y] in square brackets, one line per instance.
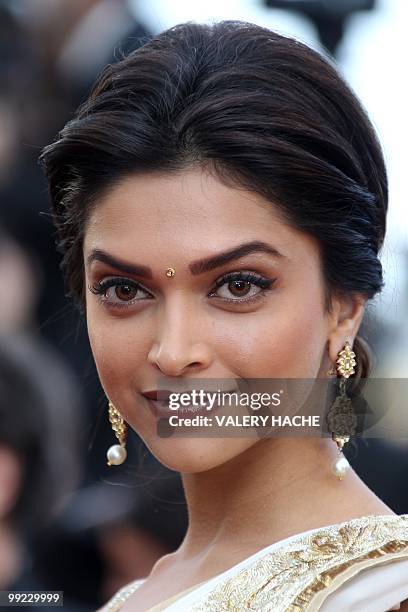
[341, 418]
[117, 452]
[341, 465]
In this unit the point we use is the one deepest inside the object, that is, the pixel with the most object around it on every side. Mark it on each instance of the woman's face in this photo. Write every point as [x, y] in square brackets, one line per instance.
[197, 324]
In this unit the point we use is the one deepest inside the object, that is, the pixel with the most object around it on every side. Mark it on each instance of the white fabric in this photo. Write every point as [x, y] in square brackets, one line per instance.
[374, 589]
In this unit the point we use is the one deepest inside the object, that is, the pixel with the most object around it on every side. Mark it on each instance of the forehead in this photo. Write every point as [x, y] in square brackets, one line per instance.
[185, 213]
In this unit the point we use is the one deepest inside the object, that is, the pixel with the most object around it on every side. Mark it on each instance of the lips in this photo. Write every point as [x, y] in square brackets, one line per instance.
[161, 409]
[158, 394]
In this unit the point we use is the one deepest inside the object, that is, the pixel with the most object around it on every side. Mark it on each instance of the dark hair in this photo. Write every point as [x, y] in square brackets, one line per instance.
[262, 111]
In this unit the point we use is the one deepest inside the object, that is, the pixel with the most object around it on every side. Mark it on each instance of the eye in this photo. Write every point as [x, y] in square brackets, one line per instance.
[242, 286]
[119, 291]
[234, 287]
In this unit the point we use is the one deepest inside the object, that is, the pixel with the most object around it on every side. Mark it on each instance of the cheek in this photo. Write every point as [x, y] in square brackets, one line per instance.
[281, 341]
[118, 348]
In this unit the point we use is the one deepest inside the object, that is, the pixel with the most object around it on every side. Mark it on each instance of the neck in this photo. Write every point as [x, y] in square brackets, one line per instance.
[276, 488]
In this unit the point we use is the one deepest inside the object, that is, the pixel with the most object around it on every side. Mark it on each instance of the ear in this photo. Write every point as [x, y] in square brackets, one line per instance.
[344, 321]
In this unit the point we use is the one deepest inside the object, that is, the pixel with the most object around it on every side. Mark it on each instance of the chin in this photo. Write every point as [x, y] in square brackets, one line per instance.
[193, 455]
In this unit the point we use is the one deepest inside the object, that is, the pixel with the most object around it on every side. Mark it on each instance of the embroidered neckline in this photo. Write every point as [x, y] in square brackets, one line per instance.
[279, 579]
[287, 578]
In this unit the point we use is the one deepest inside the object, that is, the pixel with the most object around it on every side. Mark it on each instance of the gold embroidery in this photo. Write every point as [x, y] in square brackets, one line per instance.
[325, 579]
[279, 580]
[117, 601]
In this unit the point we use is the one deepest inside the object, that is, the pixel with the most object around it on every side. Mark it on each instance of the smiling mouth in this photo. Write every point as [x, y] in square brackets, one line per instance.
[161, 408]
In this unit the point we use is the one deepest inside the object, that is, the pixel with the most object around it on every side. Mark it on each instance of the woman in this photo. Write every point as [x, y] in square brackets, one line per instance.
[221, 201]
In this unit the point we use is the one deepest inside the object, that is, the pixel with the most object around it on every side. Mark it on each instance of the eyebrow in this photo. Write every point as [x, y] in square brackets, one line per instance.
[197, 267]
[208, 264]
[123, 266]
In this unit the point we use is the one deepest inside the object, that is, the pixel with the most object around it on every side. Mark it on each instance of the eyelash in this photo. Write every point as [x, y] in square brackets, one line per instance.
[265, 284]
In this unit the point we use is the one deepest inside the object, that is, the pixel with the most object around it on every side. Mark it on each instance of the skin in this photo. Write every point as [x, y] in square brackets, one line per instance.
[180, 332]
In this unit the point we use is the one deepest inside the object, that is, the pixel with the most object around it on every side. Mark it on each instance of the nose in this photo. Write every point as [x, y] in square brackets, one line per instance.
[179, 348]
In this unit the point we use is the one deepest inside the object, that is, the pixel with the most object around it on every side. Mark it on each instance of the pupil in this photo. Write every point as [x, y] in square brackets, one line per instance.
[238, 287]
[124, 292]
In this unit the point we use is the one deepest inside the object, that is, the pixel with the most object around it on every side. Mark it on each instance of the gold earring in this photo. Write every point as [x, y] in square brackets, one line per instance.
[117, 452]
[341, 418]
[170, 272]
[346, 361]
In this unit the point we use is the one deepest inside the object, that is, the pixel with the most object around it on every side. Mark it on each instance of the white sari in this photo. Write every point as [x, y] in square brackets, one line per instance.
[359, 565]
